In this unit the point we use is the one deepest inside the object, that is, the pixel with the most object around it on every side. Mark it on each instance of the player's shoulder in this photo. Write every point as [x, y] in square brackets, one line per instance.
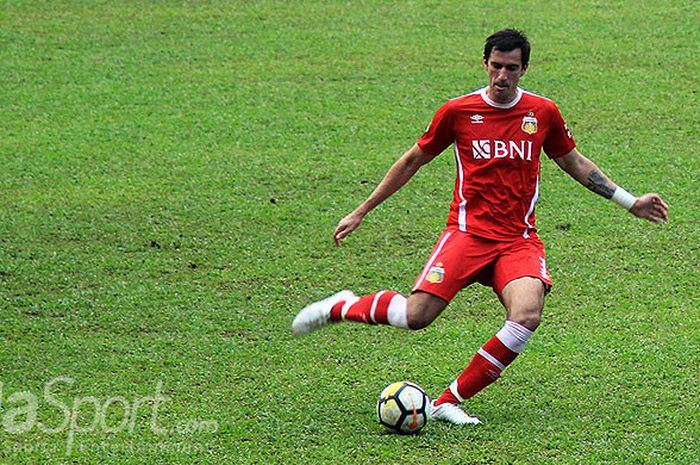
[456, 106]
[537, 99]
[463, 102]
[472, 97]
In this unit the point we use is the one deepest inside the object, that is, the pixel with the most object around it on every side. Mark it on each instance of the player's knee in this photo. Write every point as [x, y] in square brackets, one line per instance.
[418, 320]
[529, 317]
[532, 321]
[422, 309]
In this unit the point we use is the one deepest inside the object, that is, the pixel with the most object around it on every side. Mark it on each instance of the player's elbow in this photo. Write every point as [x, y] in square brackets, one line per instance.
[573, 163]
[415, 157]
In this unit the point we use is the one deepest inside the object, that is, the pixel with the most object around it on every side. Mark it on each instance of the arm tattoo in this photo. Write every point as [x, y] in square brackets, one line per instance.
[598, 184]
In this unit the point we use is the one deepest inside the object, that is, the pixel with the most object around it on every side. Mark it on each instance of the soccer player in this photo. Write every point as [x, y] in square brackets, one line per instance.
[497, 134]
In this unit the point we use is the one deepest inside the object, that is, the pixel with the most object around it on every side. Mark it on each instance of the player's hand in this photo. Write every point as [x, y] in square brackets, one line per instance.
[346, 226]
[650, 207]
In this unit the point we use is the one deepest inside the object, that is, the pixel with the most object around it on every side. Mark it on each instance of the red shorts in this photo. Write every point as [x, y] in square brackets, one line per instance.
[459, 259]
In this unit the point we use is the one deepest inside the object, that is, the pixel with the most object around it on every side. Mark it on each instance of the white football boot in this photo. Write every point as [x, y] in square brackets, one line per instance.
[451, 413]
[318, 314]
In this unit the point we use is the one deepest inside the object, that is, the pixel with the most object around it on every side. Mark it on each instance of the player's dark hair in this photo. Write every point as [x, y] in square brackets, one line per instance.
[507, 40]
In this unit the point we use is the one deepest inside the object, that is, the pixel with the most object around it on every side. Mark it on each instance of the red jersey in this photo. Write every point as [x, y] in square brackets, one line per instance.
[497, 148]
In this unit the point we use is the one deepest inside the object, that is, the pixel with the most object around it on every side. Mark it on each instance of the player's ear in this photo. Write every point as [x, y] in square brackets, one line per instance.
[523, 69]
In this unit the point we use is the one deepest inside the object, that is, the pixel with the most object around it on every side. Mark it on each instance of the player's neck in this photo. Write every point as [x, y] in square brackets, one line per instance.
[503, 103]
[502, 99]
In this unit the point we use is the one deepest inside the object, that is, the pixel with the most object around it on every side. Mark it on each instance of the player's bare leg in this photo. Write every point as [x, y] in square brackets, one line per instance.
[523, 299]
[423, 309]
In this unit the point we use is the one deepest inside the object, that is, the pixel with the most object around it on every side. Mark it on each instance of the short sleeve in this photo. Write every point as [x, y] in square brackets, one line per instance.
[438, 136]
[559, 140]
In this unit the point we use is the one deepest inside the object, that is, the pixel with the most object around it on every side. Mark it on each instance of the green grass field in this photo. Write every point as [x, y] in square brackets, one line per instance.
[171, 176]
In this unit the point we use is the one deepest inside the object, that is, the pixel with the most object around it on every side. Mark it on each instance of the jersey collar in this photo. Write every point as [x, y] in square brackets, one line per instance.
[503, 106]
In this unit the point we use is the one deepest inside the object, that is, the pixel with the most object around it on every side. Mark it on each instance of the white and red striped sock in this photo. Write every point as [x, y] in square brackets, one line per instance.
[384, 308]
[488, 363]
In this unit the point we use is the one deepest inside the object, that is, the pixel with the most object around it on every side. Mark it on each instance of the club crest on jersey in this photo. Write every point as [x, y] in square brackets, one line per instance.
[436, 274]
[529, 124]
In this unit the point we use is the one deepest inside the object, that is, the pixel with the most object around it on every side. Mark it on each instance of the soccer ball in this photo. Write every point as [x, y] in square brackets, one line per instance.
[402, 407]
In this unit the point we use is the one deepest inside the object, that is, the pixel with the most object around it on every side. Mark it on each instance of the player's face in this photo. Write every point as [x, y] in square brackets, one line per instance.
[505, 70]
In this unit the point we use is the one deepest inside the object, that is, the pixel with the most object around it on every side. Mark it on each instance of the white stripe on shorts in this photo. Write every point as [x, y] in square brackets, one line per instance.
[432, 259]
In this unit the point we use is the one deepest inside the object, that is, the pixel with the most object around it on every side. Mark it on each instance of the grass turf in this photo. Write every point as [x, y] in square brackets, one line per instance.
[172, 173]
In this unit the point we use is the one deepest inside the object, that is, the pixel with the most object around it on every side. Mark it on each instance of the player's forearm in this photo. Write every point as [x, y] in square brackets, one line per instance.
[598, 182]
[397, 176]
[588, 174]
[648, 206]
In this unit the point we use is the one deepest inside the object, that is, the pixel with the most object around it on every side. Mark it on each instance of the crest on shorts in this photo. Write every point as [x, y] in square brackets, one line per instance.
[529, 124]
[436, 274]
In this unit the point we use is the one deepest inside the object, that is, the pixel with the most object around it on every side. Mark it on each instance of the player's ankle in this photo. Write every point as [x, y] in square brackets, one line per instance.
[446, 398]
[336, 312]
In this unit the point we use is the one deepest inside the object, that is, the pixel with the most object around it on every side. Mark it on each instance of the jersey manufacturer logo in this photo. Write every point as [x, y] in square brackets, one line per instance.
[529, 124]
[436, 274]
[485, 149]
[476, 119]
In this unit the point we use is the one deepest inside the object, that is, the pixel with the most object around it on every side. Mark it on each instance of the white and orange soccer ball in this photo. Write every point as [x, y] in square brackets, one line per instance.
[403, 407]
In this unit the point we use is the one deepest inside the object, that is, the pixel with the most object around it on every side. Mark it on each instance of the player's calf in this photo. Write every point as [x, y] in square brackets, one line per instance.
[380, 308]
[488, 363]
